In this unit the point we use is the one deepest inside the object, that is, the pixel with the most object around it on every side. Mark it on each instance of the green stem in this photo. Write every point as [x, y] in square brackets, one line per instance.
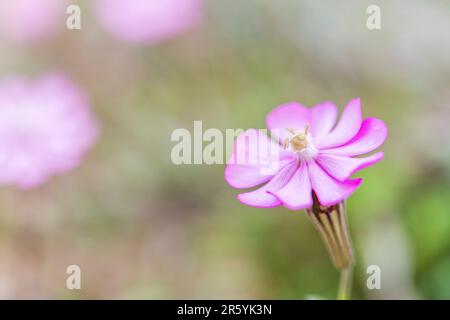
[332, 225]
[345, 284]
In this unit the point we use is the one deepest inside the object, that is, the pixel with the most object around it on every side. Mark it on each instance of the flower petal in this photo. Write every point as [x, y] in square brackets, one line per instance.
[329, 191]
[372, 134]
[256, 159]
[323, 118]
[290, 115]
[297, 193]
[346, 129]
[342, 168]
[261, 197]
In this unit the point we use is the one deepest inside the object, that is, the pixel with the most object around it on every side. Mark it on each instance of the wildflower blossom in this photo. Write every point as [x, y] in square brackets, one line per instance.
[45, 129]
[26, 21]
[312, 155]
[147, 21]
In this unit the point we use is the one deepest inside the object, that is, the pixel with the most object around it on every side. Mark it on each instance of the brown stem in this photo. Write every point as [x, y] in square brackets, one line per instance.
[332, 226]
[331, 223]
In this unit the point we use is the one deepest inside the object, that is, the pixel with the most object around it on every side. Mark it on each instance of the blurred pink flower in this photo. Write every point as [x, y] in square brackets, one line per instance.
[26, 21]
[45, 129]
[310, 155]
[147, 21]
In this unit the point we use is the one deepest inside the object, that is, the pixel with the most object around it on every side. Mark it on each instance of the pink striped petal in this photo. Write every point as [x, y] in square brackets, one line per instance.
[256, 159]
[290, 115]
[296, 194]
[342, 168]
[372, 134]
[261, 197]
[329, 191]
[346, 129]
[323, 118]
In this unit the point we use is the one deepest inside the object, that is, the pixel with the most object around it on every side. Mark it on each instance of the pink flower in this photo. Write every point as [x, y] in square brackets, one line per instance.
[45, 129]
[312, 154]
[147, 21]
[26, 21]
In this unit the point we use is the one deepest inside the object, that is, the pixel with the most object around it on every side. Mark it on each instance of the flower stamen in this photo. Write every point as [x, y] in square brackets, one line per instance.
[300, 140]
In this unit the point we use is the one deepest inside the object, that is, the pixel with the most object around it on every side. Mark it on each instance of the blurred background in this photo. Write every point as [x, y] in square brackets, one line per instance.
[141, 227]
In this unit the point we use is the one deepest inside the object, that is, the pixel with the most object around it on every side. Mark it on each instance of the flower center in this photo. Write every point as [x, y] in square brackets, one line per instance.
[301, 143]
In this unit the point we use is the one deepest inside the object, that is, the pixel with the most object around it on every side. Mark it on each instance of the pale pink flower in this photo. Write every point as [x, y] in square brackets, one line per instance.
[148, 21]
[32, 20]
[45, 129]
[312, 155]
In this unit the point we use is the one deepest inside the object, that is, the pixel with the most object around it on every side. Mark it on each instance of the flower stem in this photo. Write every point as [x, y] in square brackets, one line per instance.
[331, 223]
[345, 284]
